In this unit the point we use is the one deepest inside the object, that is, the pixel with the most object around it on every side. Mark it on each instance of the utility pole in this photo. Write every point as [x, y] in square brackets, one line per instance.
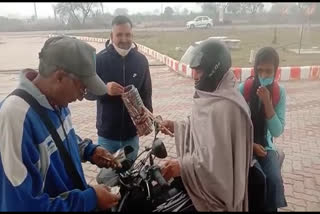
[35, 11]
[221, 13]
[55, 12]
[161, 14]
[301, 34]
[161, 9]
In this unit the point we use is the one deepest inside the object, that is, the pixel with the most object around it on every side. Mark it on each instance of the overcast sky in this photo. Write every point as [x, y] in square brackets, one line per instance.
[44, 10]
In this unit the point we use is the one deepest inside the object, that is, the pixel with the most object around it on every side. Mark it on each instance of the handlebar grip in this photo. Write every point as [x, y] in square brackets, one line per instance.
[159, 178]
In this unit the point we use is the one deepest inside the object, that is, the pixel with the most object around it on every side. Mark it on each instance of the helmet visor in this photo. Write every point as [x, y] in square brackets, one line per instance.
[195, 58]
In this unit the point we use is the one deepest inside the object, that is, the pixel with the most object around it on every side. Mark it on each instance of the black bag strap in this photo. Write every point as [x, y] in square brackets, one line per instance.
[68, 163]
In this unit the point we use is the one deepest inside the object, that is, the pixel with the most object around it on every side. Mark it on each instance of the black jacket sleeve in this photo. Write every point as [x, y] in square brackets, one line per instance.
[146, 90]
[90, 96]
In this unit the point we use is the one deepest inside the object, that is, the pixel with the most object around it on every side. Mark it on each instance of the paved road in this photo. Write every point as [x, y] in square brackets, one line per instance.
[21, 51]
[238, 27]
[172, 99]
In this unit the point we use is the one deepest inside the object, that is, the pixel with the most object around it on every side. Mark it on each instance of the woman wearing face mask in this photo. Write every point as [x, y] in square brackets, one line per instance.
[267, 102]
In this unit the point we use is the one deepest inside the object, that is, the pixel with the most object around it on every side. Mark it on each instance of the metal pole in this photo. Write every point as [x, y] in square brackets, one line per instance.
[101, 5]
[274, 35]
[35, 11]
[161, 15]
[301, 34]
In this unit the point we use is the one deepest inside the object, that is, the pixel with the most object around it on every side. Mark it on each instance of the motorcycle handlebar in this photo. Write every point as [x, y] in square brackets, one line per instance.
[159, 178]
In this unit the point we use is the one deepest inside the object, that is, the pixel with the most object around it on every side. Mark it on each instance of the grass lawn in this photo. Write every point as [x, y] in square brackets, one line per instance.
[287, 38]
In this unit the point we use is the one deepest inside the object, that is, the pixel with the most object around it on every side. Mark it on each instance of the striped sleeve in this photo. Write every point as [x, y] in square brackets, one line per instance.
[20, 180]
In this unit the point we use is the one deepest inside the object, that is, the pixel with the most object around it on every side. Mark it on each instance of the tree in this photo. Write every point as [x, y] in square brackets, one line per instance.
[156, 12]
[168, 12]
[234, 8]
[210, 9]
[252, 8]
[121, 11]
[65, 12]
[75, 13]
[224, 6]
[185, 12]
[85, 9]
[177, 9]
[101, 6]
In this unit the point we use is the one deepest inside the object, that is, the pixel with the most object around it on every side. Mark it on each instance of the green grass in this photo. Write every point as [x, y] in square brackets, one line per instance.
[287, 38]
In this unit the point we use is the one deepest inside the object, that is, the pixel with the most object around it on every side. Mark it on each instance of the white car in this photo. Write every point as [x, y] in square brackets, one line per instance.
[200, 22]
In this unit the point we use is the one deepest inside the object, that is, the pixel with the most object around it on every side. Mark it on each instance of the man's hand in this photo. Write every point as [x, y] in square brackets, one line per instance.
[264, 95]
[114, 89]
[259, 150]
[105, 199]
[167, 124]
[170, 169]
[102, 158]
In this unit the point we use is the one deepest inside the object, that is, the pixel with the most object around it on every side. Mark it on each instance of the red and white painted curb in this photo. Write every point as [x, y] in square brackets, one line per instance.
[283, 73]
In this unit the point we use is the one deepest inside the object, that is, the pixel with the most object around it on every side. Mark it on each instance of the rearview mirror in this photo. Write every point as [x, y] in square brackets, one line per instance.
[123, 153]
[158, 149]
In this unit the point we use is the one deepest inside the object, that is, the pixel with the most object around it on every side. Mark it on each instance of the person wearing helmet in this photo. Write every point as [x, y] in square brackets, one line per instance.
[214, 144]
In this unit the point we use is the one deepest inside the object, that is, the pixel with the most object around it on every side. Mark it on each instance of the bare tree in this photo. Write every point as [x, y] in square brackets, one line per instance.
[63, 12]
[252, 8]
[86, 9]
[185, 12]
[224, 6]
[67, 13]
[234, 8]
[101, 6]
[74, 12]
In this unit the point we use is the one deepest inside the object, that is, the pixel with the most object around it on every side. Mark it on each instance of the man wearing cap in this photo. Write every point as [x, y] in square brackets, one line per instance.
[119, 65]
[34, 175]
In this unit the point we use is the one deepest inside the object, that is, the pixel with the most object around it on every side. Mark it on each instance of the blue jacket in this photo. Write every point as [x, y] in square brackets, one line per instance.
[113, 120]
[32, 172]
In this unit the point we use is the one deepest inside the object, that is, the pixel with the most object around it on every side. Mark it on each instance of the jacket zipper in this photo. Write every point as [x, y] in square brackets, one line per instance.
[124, 84]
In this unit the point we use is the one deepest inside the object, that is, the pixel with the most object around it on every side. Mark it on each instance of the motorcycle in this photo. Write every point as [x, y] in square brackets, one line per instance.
[143, 188]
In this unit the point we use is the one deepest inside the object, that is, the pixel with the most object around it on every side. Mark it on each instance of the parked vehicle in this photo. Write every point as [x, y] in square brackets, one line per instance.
[200, 22]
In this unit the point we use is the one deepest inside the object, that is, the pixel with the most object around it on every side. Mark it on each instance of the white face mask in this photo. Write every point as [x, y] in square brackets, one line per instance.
[122, 52]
